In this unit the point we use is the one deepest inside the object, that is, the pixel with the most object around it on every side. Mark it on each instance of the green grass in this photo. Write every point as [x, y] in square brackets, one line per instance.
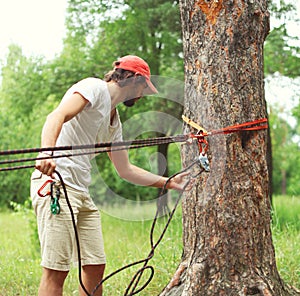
[19, 268]
[286, 237]
[286, 212]
[126, 242]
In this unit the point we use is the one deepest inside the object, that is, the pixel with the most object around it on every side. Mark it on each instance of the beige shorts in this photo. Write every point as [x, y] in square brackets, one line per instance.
[56, 232]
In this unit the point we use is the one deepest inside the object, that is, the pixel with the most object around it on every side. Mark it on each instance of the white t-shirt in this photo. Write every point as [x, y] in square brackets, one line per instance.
[90, 126]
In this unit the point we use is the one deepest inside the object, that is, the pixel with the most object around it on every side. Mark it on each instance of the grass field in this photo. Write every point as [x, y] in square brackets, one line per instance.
[126, 242]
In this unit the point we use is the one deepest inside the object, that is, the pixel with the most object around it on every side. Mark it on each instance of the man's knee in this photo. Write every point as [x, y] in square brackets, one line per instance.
[94, 270]
[54, 276]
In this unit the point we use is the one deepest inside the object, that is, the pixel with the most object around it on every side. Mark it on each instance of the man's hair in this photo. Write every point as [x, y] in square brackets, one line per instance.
[123, 77]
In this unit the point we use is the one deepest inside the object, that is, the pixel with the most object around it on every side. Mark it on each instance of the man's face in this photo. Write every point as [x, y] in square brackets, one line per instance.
[135, 93]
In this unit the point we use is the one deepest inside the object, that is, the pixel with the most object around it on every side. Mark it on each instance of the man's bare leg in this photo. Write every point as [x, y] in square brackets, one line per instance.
[91, 277]
[52, 282]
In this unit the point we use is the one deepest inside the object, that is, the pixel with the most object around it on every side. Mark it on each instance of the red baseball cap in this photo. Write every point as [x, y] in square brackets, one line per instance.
[138, 66]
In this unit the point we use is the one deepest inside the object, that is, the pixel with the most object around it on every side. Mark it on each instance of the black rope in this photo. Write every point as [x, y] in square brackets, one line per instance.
[75, 230]
[104, 147]
[126, 144]
[139, 273]
[131, 289]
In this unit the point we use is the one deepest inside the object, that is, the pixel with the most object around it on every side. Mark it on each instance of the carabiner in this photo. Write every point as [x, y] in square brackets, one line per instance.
[54, 203]
[203, 161]
[44, 189]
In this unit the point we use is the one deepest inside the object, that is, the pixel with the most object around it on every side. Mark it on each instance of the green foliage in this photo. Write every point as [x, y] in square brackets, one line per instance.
[282, 9]
[286, 156]
[98, 32]
[280, 56]
[111, 30]
[25, 211]
[281, 50]
[296, 114]
[22, 99]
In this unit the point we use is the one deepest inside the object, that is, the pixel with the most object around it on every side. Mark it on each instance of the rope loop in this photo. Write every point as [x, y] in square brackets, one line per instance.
[136, 279]
[108, 147]
[132, 287]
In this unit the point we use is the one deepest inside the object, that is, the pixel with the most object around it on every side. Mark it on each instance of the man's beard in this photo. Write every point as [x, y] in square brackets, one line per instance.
[129, 102]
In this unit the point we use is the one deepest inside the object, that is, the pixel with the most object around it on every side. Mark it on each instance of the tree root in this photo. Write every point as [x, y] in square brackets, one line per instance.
[176, 279]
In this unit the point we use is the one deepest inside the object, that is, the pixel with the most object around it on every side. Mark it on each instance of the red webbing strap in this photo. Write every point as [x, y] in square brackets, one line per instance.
[254, 125]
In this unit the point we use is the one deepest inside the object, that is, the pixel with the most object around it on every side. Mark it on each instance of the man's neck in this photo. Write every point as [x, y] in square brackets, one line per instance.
[117, 94]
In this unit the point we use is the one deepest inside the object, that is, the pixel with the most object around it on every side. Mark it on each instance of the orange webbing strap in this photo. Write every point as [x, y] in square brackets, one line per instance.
[254, 125]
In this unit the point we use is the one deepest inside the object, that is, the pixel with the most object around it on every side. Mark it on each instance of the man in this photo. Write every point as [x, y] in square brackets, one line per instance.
[87, 114]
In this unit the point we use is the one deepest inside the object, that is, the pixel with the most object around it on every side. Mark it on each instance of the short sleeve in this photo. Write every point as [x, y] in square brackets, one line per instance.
[90, 89]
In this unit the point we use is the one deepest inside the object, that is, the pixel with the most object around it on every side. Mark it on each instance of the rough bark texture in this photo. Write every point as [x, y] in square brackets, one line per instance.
[228, 247]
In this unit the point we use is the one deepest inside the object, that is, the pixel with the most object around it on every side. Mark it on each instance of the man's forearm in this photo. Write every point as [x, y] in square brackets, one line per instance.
[142, 177]
[51, 129]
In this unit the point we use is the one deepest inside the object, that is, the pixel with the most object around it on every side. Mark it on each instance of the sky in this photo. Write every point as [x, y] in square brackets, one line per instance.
[38, 27]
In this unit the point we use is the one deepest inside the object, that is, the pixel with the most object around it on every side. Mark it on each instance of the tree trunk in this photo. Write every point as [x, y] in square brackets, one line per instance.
[228, 247]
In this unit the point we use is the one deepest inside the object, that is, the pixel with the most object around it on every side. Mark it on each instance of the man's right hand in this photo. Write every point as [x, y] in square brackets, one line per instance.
[45, 166]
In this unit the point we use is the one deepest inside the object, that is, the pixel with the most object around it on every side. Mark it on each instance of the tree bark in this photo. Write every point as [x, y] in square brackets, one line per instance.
[228, 247]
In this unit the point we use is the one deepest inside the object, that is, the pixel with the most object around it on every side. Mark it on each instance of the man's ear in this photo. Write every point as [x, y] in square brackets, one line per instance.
[139, 79]
[129, 79]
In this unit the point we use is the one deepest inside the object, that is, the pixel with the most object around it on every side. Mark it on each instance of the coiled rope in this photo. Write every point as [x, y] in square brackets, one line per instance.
[132, 288]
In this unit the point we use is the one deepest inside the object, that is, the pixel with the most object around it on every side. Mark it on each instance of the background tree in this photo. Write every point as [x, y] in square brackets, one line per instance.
[23, 94]
[285, 155]
[98, 32]
[281, 60]
[150, 29]
[281, 54]
[157, 39]
[281, 57]
[228, 246]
